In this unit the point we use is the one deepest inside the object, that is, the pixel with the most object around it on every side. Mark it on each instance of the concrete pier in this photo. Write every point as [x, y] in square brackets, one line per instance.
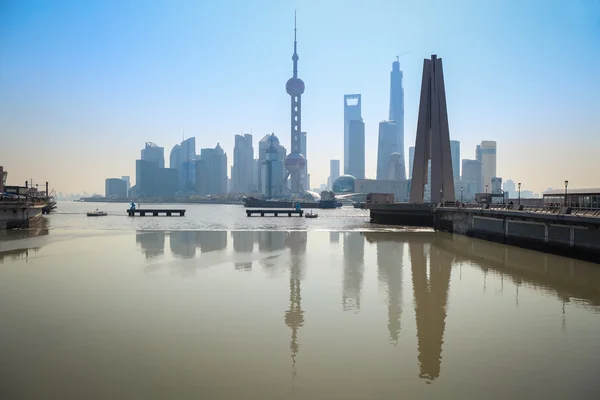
[156, 212]
[274, 212]
[18, 215]
[405, 214]
[551, 231]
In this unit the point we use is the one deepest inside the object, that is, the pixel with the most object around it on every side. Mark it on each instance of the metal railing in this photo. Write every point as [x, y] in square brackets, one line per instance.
[588, 212]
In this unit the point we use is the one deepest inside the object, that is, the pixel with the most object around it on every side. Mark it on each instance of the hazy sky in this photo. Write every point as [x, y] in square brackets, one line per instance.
[83, 84]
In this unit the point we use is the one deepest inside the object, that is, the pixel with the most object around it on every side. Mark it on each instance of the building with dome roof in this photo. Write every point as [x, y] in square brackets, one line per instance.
[271, 159]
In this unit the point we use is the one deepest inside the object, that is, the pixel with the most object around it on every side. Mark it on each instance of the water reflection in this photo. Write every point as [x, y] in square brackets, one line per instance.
[294, 316]
[334, 237]
[354, 253]
[243, 242]
[390, 259]
[183, 244]
[7, 251]
[152, 243]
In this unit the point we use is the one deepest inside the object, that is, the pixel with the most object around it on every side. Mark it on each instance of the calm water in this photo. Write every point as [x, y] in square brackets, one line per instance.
[120, 311]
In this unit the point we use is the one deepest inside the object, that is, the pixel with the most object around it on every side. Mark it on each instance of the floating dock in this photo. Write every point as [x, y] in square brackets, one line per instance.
[275, 212]
[156, 212]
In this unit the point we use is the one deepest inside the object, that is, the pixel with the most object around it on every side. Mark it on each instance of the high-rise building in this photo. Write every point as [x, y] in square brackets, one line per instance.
[455, 155]
[295, 162]
[334, 171]
[188, 150]
[214, 169]
[127, 180]
[356, 141]
[115, 188]
[175, 157]
[397, 110]
[352, 112]
[387, 144]
[242, 177]
[496, 185]
[152, 153]
[510, 188]
[187, 176]
[486, 154]
[433, 138]
[471, 172]
[145, 178]
[411, 160]
[273, 168]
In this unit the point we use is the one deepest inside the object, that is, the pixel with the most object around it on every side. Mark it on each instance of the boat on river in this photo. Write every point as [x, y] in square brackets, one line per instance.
[97, 213]
[310, 214]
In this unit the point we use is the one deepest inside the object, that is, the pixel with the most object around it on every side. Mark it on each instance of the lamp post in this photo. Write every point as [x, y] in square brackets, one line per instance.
[441, 198]
[566, 184]
[486, 195]
[519, 201]
[461, 195]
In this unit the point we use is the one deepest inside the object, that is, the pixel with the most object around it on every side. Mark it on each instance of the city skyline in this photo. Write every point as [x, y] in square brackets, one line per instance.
[109, 89]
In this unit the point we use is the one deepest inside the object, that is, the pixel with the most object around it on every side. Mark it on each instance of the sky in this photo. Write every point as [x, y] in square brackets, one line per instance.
[84, 84]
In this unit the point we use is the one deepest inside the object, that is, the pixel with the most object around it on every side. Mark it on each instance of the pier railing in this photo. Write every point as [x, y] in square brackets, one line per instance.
[588, 212]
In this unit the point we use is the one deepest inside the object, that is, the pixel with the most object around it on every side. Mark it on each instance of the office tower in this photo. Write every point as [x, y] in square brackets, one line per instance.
[455, 155]
[397, 110]
[433, 138]
[471, 172]
[187, 176]
[127, 180]
[175, 157]
[214, 170]
[152, 153]
[3, 176]
[295, 162]
[411, 160]
[486, 154]
[145, 177]
[387, 144]
[115, 188]
[272, 168]
[188, 150]
[242, 178]
[305, 175]
[496, 185]
[510, 188]
[356, 141]
[334, 172]
[352, 112]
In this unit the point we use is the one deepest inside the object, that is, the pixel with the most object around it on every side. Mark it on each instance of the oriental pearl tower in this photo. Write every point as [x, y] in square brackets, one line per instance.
[295, 161]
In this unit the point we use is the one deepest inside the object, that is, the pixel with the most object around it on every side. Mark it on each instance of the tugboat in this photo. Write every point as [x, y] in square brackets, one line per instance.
[96, 213]
[310, 214]
[328, 200]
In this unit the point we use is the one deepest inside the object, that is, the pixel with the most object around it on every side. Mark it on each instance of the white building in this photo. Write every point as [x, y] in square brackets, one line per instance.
[486, 154]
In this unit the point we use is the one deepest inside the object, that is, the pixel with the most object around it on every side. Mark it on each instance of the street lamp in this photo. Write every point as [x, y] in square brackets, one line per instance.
[441, 198]
[461, 195]
[519, 202]
[566, 184]
[486, 195]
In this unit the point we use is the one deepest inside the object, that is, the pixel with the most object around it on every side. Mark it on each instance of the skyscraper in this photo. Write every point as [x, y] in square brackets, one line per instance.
[471, 172]
[486, 154]
[356, 143]
[397, 110]
[334, 172]
[188, 150]
[127, 180]
[387, 144]
[242, 171]
[215, 170]
[433, 138]
[272, 167]
[152, 153]
[295, 162]
[455, 155]
[411, 160]
[352, 112]
[175, 157]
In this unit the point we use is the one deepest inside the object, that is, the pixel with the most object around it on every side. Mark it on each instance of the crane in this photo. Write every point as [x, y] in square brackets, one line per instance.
[398, 56]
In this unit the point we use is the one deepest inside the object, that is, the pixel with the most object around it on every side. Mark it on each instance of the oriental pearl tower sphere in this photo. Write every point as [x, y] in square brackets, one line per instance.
[295, 161]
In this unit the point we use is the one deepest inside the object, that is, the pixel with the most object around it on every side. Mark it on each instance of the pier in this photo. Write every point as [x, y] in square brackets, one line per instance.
[156, 212]
[275, 212]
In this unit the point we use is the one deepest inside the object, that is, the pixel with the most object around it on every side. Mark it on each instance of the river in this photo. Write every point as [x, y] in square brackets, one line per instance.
[216, 305]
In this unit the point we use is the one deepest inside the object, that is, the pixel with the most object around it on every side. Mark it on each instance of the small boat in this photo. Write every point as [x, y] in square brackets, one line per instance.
[96, 213]
[310, 214]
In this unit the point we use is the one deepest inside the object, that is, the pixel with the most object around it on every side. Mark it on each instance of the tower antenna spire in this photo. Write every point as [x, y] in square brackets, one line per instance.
[295, 56]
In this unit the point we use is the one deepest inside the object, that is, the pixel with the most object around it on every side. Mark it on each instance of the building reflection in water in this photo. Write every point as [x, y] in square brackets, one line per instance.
[294, 316]
[334, 237]
[430, 300]
[36, 229]
[273, 244]
[354, 252]
[209, 241]
[183, 244]
[152, 243]
[390, 258]
[243, 245]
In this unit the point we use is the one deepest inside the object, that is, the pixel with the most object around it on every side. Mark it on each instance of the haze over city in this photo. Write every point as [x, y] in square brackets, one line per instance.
[83, 85]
